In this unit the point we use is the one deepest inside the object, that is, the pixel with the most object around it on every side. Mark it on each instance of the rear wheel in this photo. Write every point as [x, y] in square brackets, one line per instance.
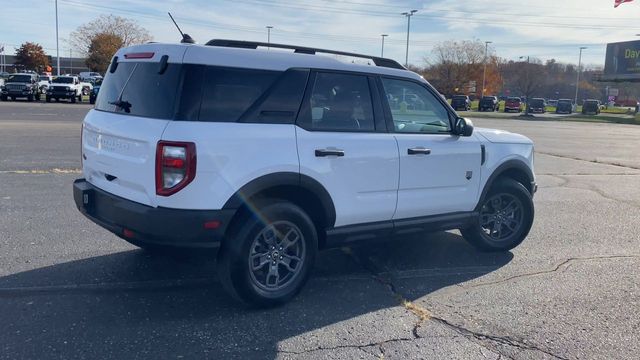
[504, 219]
[268, 257]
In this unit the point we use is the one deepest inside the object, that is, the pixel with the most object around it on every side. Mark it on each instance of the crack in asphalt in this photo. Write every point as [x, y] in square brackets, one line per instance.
[595, 161]
[425, 314]
[360, 347]
[564, 263]
[592, 188]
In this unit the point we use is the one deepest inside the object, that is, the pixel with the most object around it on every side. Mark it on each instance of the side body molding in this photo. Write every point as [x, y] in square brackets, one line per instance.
[283, 179]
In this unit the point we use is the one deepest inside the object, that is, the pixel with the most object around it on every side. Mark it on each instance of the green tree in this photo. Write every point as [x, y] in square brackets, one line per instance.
[31, 56]
[101, 49]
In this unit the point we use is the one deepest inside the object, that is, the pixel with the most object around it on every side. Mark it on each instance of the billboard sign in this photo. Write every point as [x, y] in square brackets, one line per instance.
[623, 60]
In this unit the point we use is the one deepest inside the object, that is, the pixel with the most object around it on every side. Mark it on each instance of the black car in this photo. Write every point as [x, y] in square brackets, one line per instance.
[461, 102]
[591, 107]
[536, 105]
[23, 85]
[564, 106]
[489, 103]
[93, 95]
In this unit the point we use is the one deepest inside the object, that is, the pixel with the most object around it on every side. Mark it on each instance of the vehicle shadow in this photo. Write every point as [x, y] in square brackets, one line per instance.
[133, 304]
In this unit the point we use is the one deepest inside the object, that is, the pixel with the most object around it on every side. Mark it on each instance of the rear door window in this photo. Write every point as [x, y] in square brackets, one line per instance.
[339, 102]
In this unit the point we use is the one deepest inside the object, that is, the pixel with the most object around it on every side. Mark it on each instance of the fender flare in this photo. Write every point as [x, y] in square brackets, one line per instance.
[265, 182]
[506, 166]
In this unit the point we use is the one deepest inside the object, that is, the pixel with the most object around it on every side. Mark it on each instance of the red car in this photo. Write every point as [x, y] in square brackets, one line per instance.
[512, 104]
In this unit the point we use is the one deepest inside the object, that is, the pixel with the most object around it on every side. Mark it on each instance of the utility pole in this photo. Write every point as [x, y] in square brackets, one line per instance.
[484, 72]
[578, 76]
[269, 27]
[408, 15]
[57, 43]
[382, 51]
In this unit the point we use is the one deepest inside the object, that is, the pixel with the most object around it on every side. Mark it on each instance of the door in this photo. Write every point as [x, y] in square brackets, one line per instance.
[439, 171]
[340, 145]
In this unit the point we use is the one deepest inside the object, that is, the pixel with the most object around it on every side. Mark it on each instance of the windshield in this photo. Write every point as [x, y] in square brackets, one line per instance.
[19, 78]
[536, 102]
[63, 80]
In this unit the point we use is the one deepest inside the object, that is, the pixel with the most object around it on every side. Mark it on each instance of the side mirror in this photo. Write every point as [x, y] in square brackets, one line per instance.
[463, 127]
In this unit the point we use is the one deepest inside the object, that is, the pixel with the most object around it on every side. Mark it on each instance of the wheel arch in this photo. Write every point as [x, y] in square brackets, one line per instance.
[512, 169]
[297, 188]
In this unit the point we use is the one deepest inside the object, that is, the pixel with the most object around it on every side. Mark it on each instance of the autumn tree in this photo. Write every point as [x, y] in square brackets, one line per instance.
[127, 30]
[457, 67]
[31, 56]
[101, 49]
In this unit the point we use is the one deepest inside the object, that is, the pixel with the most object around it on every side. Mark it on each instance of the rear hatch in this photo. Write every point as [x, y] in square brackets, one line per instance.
[136, 102]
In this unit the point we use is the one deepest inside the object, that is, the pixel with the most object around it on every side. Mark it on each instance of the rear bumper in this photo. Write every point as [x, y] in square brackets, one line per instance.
[144, 224]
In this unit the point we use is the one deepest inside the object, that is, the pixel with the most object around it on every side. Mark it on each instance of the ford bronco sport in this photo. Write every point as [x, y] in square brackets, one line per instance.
[273, 155]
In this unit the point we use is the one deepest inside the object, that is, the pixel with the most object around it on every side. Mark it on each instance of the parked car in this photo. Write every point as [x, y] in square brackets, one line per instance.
[564, 106]
[553, 103]
[65, 87]
[272, 156]
[512, 104]
[461, 102]
[43, 83]
[94, 92]
[591, 107]
[489, 103]
[89, 76]
[21, 85]
[537, 105]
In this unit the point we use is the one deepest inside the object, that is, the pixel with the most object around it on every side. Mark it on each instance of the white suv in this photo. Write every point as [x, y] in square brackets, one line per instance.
[272, 155]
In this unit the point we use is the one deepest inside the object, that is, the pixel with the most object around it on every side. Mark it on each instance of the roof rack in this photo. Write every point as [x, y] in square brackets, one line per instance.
[378, 61]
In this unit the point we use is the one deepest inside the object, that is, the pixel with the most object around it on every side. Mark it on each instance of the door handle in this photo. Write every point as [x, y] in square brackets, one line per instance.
[329, 152]
[418, 151]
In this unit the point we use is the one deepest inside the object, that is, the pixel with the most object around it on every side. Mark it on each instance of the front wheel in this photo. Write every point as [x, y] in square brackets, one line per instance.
[268, 257]
[504, 219]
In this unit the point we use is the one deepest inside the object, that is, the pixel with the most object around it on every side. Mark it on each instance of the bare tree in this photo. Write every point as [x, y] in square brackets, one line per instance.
[125, 29]
[454, 66]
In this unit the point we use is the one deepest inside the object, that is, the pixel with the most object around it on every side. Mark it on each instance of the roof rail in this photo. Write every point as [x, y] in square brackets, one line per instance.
[378, 61]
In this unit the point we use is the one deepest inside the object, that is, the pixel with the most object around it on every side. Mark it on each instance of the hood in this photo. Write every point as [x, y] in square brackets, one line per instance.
[502, 136]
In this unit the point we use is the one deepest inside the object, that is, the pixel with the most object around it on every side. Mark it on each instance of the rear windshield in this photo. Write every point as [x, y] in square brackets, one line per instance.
[182, 91]
[459, 97]
[513, 99]
[537, 102]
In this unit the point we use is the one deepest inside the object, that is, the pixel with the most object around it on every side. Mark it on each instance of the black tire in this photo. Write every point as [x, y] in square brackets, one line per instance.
[517, 198]
[30, 98]
[13, 98]
[3, 98]
[73, 99]
[38, 97]
[244, 237]
[48, 99]
[92, 100]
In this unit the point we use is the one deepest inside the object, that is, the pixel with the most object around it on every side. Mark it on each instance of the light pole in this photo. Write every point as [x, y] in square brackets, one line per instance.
[382, 50]
[484, 72]
[269, 27]
[57, 45]
[578, 76]
[408, 15]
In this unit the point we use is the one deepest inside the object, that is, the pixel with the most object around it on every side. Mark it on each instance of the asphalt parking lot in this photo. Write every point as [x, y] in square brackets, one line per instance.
[69, 289]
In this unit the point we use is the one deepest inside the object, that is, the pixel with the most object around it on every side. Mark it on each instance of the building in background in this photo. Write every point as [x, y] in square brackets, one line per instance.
[67, 65]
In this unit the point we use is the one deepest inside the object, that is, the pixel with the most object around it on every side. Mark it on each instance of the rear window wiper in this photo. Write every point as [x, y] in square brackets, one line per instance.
[124, 105]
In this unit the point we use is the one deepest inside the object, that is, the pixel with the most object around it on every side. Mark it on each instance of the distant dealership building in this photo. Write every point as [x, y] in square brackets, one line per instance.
[68, 65]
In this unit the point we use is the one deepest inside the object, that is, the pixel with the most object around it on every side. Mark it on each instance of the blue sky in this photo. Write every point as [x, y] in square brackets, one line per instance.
[543, 29]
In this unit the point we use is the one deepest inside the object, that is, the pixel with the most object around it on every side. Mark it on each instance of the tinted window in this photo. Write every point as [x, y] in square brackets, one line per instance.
[414, 108]
[228, 92]
[19, 78]
[140, 90]
[339, 102]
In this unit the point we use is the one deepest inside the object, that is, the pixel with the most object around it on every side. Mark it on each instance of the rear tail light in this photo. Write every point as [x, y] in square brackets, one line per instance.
[175, 166]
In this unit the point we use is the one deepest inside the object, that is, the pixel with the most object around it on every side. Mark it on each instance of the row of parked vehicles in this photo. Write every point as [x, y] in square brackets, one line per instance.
[34, 87]
[536, 105]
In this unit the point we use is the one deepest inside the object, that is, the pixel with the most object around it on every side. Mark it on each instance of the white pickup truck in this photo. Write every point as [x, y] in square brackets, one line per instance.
[65, 87]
